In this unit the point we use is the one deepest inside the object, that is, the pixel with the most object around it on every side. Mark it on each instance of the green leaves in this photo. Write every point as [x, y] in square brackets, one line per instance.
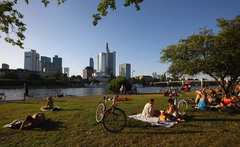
[106, 4]
[215, 55]
[11, 21]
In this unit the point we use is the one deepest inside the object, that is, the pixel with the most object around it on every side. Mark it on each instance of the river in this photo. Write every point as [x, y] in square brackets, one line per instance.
[17, 94]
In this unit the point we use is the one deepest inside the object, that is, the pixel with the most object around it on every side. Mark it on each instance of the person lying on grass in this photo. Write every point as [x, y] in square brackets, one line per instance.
[33, 121]
[148, 110]
[171, 114]
[49, 104]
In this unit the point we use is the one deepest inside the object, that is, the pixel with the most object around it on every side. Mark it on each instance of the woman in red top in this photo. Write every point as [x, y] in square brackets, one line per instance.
[226, 102]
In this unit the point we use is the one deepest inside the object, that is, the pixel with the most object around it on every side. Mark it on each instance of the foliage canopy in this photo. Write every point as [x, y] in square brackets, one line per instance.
[215, 55]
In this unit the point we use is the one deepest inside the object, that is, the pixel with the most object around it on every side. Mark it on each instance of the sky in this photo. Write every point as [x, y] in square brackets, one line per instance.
[137, 36]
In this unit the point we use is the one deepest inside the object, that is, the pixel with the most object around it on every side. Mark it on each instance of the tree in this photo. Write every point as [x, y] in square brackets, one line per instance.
[215, 55]
[33, 76]
[115, 85]
[106, 4]
[10, 75]
[111, 77]
[163, 78]
[11, 19]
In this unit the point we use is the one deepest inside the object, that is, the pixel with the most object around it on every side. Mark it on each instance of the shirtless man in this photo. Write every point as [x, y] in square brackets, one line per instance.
[33, 121]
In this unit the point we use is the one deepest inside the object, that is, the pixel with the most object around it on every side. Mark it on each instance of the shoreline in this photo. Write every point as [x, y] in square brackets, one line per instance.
[73, 97]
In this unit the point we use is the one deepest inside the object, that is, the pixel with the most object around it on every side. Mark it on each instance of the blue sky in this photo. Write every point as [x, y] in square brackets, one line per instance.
[136, 36]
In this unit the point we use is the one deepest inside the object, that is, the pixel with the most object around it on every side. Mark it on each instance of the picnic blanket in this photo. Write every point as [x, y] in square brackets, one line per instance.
[153, 121]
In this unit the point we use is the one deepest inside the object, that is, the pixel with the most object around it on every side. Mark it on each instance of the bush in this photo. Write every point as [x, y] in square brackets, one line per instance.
[116, 84]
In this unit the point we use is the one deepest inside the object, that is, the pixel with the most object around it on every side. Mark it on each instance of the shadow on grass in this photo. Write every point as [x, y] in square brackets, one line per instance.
[52, 125]
[216, 119]
[72, 109]
[173, 132]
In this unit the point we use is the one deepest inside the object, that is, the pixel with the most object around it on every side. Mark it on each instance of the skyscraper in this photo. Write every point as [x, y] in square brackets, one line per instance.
[125, 70]
[66, 71]
[102, 63]
[44, 62]
[107, 62]
[58, 62]
[31, 60]
[45, 59]
[91, 63]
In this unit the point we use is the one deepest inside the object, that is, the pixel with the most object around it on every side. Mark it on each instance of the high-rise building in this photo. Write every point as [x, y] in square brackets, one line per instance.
[125, 70]
[66, 71]
[49, 68]
[107, 62]
[87, 72]
[5, 66]
[91, 63]
[31, 61]
[58, 62]
[45, 59]
[102, 63]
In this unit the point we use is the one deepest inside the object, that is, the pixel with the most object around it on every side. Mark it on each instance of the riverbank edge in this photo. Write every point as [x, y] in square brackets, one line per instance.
[76, 98]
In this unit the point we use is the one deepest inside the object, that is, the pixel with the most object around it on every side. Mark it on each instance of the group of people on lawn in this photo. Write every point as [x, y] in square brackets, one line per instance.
[203, 101]
[36, 119]
[171, 114]
[212, 102]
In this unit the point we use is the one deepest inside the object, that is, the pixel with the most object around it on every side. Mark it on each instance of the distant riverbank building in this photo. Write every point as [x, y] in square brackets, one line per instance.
[125, 70]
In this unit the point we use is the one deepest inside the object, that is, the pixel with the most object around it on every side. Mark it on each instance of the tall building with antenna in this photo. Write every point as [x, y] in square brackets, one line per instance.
[107, 62]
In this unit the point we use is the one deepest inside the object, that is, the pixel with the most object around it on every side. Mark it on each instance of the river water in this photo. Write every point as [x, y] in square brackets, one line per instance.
[17, 94]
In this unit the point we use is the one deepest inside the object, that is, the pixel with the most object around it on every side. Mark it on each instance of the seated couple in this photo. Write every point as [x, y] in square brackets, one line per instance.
[49, 104]
[169, 115]
[226, 101]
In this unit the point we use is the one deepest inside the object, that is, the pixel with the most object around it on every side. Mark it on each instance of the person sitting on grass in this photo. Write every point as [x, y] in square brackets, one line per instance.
[202, 103]
[212, 98]
[199, 95]
[148, 110]
[33, 121]
[171, 114]
[235, 100]
[49, 104]
[226, 101]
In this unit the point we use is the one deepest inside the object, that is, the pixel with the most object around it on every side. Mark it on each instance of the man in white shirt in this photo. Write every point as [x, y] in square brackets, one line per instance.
[148, 110]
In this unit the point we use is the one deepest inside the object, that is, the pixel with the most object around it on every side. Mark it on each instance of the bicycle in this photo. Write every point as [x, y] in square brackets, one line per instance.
[114, 119]
[2, 96]
[182, 104]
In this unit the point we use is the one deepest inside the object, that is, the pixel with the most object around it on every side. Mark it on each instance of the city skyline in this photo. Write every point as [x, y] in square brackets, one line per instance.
[137, 37]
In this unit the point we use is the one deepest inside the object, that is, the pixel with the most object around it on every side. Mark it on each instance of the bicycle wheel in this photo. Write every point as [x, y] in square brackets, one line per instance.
[182, 107]
[114, 120]
[100, 112]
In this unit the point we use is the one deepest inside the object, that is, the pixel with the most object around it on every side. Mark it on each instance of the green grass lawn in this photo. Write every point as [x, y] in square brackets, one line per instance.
[76, 125]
